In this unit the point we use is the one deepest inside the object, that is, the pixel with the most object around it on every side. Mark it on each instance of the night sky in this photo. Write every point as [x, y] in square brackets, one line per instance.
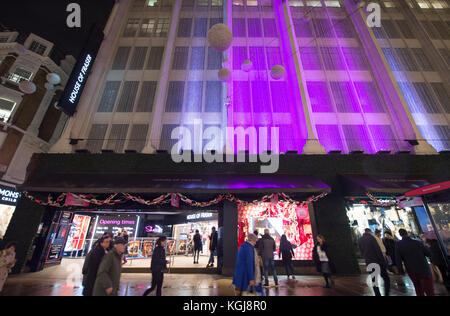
[47, 19]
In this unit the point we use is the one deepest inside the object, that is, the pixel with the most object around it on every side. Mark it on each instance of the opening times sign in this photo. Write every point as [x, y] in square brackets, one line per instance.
[112, 224]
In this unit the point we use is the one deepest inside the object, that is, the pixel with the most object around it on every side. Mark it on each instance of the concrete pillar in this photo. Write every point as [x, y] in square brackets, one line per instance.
[154, 133]
[288, 39]
[33, 128]
[230, 238]
[399, 110]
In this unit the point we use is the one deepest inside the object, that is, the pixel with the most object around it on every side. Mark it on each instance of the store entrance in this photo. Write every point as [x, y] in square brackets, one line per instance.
[143, 229]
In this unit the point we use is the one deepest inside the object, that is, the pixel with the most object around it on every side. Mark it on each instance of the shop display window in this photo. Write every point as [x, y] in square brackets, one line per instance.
[441, 214]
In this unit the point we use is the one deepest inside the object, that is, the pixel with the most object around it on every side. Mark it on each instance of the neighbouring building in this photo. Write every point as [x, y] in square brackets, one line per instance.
[363, 116]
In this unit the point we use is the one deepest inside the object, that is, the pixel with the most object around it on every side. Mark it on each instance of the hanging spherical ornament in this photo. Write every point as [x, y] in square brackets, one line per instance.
[247, 65]
[49, 86]
[220, 37]
[277, 72]
[27, 87]
[224, 74]
[56, 105]
[302, 212]
[53, 78]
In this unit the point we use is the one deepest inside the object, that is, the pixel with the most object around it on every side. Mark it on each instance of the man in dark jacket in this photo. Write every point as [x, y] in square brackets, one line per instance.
[110, 270]
[438, 260]
[95, 258]
[212, 247]
[197, 245]
[266, 248]
[413, 253]
[158, 266]
[371, 252]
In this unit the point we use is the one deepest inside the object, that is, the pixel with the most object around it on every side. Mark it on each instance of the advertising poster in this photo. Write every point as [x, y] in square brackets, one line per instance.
[59, 236]
[133, 248]
[78, 232]
[114, 223]
[170, 247]
[147, 250]
[6, 213]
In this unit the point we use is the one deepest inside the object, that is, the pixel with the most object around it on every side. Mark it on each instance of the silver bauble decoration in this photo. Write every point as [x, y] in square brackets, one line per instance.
[220, 37]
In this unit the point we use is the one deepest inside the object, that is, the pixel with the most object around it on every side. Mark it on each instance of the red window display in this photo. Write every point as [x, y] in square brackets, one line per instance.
[282, 218]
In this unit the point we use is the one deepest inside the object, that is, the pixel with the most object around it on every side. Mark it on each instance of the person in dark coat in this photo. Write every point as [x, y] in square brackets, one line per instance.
[389, 243]
[95, 258]
[286, 253]
[197, 246]
[413, 253]
[159, 264]
[212, 247]
[322, 260]
[107, 282]
[371, 252]
[438, 260]
[267, 247]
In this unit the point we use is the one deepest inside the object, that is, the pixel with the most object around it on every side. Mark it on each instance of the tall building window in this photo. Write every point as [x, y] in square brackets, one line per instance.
[38, 48]
[406, 59]
[257, 57]
[96, 137]
[197, 58]
[239, 55]
[346, 101]
[214, 96]
[200, 27]
[355, 57]
[329, 136]
[175, 93]
[280, 99]
[20, 75]
[162, 28]
[121, 59]
[194, 96]
[239, 27]
[442, 28]
[128, 97]
[369, 97]
[184, 28]
[406, 29]
[147, 27]
[155, 58]
[270, 28]
[356, 137]
[147, 98]
[6, 108]
[390, 29]
[117, 137]
[138, 59]
[343, 28]
[254, 28]
[217, 3]
[260, 91]
[273, 56]
[180, 58]
[214, 59]
[323, 28]
[426, 97]
[310, 58]
[332, 58]
[138, 137]
[302, 28]
[442, 95]
[430, 29]
[109, 96]
[319, 96]
[131, 28]
[392, 59]
[422, 59]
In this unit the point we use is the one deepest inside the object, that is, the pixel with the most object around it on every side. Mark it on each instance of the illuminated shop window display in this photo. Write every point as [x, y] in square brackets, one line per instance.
[183, 234]
[441, 215]
[363, 215]
[282, 218]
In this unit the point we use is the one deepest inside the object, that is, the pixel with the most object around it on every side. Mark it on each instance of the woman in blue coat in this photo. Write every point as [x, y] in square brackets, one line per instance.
[244, 272]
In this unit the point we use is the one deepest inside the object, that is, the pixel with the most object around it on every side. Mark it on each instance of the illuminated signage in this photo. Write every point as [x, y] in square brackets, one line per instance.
[153, 229]
[81, 79]
[8, 196]
[198, 216]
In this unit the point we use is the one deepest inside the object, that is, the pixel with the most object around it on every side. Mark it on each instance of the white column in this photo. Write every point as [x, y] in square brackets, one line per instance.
[154, 133]
[40, 113]
[58, 129]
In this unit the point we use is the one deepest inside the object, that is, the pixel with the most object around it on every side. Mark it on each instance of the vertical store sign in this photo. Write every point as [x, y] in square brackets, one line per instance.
[80, 74]
[59, 235]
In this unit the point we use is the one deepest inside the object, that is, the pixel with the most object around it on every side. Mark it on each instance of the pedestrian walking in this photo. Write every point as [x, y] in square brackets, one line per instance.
[267, 247]
[197, 246]
[159, 264]
[324, 264]
[414, 254]
[212, 247]
[95, 259]
[377, 236]
[244, 272]
[7, 262]
[286, 253]
[371, 252]
[108, 276]
[437, 259]
[389, 243]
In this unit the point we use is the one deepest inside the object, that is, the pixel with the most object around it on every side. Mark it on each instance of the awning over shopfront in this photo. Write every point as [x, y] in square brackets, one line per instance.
[155, 183]
[358, 185]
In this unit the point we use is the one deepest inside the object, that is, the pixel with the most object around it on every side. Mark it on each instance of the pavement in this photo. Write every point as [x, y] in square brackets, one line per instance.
[65, 280]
